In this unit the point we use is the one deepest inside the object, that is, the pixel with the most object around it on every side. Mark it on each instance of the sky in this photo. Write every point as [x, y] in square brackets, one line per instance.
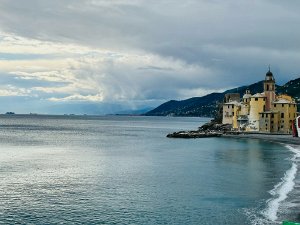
[108, 56]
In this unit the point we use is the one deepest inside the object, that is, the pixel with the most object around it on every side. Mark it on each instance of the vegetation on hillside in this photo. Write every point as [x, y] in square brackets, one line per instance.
[208, 105]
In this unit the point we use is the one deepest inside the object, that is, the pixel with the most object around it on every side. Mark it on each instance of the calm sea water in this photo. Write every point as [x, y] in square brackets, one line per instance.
[123, 170]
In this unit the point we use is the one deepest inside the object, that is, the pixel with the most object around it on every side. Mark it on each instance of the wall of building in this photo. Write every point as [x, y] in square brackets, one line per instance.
[269, 91]
[268, 122]
[230, 114]
[287, 114]
[245, 107]
[228, 110]
[257, 105]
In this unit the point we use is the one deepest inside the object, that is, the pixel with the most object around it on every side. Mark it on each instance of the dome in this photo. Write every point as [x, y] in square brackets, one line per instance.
[269, 74]
[247, 96]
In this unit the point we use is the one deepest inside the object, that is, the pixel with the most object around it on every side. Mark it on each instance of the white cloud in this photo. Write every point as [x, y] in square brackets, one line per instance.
[78, 97]
[118, 76]
[21, 45]
[10, 90]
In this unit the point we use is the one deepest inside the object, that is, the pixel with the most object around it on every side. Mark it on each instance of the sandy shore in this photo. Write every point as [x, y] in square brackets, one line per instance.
[286, 139]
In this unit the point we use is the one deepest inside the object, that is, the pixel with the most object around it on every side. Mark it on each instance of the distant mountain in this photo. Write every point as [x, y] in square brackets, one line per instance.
[208, 105]
[291, 88]
[133, 112]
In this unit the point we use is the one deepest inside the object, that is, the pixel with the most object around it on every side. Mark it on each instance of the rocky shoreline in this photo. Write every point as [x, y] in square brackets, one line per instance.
[193, 134]
[210, 129]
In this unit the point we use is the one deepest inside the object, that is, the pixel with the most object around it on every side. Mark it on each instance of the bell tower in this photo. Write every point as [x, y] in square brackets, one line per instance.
[269, 89]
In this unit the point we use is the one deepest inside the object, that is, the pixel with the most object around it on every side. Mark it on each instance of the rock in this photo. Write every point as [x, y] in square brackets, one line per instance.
[193, 134]
[214, 126]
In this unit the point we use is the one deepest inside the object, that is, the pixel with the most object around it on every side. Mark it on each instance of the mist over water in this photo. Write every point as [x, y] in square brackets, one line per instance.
[123, 170]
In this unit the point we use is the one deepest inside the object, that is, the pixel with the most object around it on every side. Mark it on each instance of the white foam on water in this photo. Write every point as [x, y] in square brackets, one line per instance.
[282, 189]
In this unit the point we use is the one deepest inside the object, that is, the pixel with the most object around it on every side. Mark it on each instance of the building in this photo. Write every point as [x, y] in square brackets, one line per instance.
[261, 112]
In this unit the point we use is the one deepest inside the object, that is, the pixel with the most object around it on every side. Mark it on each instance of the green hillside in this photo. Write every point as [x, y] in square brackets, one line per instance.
[208, 105]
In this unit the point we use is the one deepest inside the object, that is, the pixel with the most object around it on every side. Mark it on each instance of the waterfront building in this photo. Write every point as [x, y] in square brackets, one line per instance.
[261, 112]
[230, 112]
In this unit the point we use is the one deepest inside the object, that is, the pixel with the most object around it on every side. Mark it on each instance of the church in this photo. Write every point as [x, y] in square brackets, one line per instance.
[263, 112]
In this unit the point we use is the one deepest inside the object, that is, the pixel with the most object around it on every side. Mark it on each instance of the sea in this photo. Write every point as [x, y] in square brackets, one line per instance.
[123, 170]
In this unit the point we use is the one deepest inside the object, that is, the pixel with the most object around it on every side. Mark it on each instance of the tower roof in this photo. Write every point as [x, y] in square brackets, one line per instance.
[269, 75]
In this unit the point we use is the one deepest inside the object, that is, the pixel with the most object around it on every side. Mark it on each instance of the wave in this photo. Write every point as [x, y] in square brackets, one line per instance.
[282, 189]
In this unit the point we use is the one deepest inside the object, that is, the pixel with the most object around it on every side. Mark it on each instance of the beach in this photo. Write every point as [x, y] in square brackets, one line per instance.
[279, 138]
[283, 203]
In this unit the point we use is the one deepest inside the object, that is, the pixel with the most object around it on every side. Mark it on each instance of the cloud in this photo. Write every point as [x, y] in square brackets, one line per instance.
[77, 97]
[118, 76]
[144, 51]
[9, 90]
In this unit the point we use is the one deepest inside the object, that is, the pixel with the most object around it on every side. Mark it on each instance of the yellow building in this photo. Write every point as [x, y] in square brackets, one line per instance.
[268, 122]
[262, 112]
[257, 105]
[230, 113]
[287, 112]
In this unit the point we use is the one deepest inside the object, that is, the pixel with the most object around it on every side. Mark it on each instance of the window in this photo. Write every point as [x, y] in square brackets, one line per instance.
[282, 105]
[232, 113]
[228, 106]
[256, 99]
[267, 87]
[274, 105]
[282, 115]
[232, 106]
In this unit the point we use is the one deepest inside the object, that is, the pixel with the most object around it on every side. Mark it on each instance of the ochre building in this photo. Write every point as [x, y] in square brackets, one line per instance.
[262, 112]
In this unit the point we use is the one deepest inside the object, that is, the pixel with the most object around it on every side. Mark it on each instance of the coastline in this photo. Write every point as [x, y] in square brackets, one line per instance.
[281, 190]
[278, 138]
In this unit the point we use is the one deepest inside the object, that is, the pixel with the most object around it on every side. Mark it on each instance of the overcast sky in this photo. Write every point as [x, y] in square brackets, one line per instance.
[102, 56]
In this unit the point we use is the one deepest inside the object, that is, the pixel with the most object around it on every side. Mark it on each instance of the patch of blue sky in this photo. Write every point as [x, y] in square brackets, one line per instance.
[10, 79]
[22, 56]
